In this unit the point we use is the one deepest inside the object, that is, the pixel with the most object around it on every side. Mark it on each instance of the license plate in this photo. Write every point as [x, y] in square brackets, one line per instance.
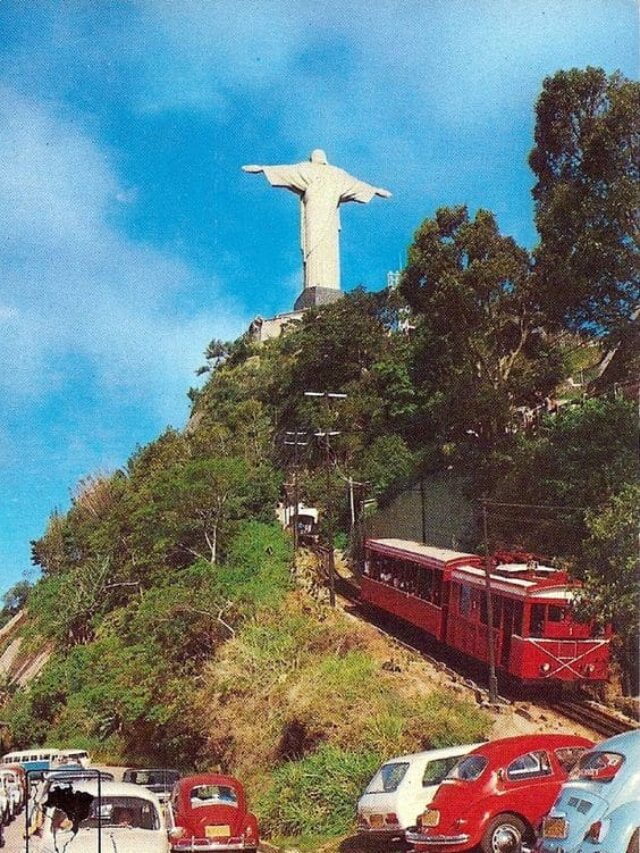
[554, 827]
[376, 820]
[216, 831]
[430, 818]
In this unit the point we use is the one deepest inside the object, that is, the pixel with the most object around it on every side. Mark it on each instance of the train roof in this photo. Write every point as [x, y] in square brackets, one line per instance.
[428, 554]
[552, 583]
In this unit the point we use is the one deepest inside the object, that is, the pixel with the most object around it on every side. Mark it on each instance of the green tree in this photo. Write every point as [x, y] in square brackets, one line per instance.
[576, 462]
[481, 348]
[388, 459]
[50, 551]
[192, 504]
[587, 163]
[67, 606]
[610, 571]
[15, 597]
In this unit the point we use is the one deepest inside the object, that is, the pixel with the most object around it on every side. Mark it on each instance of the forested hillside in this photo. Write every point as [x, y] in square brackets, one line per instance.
[182, 633]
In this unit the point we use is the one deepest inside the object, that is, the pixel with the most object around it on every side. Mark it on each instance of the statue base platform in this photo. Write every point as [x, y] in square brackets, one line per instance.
[312, 297]
[263, 329]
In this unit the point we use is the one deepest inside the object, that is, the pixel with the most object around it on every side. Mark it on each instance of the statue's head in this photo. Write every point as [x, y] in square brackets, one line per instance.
[318, 156]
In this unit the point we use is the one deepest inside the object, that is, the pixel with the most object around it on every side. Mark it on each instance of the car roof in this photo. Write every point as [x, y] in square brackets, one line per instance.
[434, 754]
[511, 747]
[151, 770]
[116, 789]
[624, 742]
[208, 779]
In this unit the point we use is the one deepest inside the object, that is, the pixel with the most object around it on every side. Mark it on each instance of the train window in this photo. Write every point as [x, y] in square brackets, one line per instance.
[436, 587]
[555, 613]
[465, 601]
[497, 610]
[425, 584]
[529, 766]
[517, 618]
[536, 621]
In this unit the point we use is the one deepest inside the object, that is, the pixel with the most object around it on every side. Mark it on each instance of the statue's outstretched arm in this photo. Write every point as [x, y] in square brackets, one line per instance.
[253, 168]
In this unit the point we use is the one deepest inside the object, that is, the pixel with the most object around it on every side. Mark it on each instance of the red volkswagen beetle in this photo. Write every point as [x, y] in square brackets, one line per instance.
[208, 812]
[497, 794]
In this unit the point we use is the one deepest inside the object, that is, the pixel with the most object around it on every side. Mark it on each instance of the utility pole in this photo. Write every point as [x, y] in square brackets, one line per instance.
[326, 434]
[423, 510]
[493, 681]
[296, 500]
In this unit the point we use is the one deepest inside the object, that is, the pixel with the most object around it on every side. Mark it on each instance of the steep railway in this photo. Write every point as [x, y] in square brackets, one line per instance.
[596, 717]
[582, 709]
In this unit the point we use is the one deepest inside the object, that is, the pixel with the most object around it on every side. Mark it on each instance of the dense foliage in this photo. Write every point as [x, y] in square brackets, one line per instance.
[587, 164]
[126, 692]
[14, 600]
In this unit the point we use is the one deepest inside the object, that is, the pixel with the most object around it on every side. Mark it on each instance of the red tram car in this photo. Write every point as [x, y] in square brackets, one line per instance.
[536, 638]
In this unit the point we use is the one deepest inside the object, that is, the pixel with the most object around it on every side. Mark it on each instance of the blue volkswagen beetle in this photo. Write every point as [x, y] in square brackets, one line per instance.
[598, 808]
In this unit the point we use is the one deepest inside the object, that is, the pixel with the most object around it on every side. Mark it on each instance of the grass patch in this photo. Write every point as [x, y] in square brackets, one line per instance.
[316, 796]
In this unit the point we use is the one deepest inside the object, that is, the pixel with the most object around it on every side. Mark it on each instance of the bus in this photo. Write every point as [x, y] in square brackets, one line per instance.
[36, 760]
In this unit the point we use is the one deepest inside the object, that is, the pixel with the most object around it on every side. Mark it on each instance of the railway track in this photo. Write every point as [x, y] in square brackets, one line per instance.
[400, 636]
[596, 717]
[583, 710]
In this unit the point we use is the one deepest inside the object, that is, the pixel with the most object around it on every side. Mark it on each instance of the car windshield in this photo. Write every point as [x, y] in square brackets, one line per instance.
[388, 778]
[125, 812]
[164, 778]
[207, 795]
[598, 766]
[469, 768]
[437, 770]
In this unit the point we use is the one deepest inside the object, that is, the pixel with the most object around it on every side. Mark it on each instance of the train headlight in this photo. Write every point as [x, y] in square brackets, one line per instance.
[588, 669]
[545, 667]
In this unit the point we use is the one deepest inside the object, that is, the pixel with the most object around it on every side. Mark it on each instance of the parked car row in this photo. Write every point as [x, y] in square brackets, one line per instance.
[13, 793]
[150, 810]
[555, 793]
[549, 793]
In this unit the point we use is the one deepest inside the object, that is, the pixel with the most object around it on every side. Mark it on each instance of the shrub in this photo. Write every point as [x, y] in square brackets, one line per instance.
[316, 795]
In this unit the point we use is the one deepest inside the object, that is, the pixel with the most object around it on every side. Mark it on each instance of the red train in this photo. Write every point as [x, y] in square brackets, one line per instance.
[536, 638]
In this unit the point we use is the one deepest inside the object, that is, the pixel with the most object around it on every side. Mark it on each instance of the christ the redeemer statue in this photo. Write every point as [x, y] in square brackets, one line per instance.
[322, 189]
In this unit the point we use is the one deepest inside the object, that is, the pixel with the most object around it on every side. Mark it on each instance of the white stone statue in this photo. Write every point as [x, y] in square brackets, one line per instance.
[322, 189]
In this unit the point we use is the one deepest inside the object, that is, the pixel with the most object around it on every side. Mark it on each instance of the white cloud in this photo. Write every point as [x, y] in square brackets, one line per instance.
[73, 285]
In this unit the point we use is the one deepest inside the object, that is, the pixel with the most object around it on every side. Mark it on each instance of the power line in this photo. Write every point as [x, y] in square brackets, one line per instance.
[554, 507]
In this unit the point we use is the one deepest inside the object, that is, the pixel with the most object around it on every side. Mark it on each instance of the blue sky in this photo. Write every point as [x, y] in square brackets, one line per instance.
[130, 238]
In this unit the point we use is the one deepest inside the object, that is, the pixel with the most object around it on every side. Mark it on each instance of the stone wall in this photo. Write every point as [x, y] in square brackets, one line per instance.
[451, 520]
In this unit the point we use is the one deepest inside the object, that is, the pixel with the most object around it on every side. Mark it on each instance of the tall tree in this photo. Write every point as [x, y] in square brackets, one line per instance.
[611, 571]
[574, 463]
[482, 348]
[190, 507]
[587, 164]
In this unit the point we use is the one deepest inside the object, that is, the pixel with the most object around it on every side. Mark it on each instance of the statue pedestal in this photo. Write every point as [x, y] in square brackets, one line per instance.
[312, 297]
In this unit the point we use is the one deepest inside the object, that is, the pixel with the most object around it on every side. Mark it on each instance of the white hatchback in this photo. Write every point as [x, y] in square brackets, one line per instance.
[401, 788]
[128, 818]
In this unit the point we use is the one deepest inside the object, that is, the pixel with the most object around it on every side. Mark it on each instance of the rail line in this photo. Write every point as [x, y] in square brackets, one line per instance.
[583, 710]
[596, 717]
[351, 592]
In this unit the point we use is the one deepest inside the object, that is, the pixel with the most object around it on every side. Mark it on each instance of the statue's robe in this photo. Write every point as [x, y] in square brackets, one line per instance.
[322, 189]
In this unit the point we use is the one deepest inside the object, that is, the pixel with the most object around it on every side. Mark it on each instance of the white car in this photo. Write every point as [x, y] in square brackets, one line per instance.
[14, 789]
[128, 817]
[401, 788]
[6, 803]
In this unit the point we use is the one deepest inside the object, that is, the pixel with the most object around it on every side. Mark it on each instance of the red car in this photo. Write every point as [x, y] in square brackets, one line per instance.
[208, 812]
[496, 795]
